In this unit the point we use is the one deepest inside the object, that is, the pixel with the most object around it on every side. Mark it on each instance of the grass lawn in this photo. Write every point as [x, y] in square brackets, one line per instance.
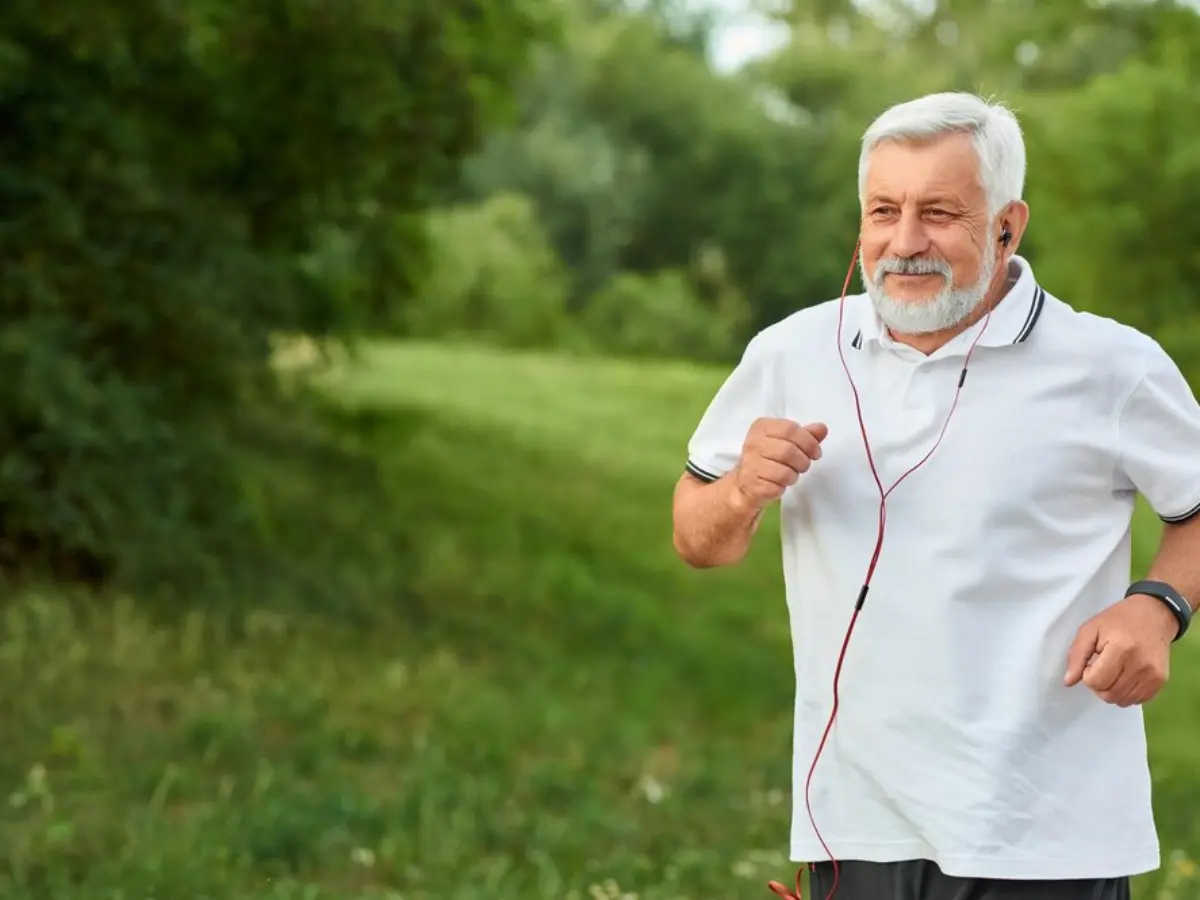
[540, 701]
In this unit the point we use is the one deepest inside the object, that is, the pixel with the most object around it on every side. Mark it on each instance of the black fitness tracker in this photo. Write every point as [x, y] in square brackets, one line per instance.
[1173, 600]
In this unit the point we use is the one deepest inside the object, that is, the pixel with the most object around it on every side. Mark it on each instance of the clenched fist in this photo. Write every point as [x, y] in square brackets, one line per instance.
[1123, 653]
[775, 454]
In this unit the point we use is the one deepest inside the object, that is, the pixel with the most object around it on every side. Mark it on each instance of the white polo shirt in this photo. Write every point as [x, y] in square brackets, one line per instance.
[956, 740]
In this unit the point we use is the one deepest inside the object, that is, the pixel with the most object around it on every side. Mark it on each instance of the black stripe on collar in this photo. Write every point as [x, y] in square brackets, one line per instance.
[856, 341]
[1035, 311]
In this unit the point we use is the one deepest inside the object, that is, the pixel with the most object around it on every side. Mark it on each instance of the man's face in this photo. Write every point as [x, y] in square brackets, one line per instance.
[927, 253]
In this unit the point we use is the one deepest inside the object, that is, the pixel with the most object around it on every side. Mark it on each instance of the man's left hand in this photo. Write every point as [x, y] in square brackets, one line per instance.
[1123, 654]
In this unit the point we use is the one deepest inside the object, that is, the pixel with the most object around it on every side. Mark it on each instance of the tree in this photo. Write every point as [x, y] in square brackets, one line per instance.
[173, 178]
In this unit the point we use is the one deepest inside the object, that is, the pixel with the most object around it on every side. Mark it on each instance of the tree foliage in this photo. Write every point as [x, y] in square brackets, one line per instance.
[181, 182]
[639, 156]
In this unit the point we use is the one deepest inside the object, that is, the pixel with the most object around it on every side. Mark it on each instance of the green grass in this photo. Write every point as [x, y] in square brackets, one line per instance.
[514, 692]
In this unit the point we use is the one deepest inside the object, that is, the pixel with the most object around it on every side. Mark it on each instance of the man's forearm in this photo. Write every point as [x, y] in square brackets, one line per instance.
[714, 523]
[1178, 560]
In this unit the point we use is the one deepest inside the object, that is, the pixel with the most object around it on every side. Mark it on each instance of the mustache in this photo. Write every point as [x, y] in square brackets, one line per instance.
[897, 266]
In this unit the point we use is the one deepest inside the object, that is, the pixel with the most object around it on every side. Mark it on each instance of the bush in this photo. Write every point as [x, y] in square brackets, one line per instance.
[493, 274]
[660, 315]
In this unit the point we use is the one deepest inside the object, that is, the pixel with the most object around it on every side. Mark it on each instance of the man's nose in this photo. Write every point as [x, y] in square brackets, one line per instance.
[910, 238]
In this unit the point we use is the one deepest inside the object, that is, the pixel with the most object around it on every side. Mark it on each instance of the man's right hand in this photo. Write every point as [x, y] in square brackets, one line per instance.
[775, 454]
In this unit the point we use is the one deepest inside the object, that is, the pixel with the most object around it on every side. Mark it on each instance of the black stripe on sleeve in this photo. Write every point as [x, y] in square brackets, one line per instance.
[1177, 520]
[696, 472]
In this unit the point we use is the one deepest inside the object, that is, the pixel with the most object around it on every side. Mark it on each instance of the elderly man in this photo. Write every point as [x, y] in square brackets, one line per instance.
[957, 453]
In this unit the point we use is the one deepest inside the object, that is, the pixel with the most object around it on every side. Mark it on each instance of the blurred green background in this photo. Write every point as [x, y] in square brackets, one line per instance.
[350, 353]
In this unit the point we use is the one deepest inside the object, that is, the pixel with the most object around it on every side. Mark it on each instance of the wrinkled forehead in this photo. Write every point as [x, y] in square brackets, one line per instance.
[900, 170]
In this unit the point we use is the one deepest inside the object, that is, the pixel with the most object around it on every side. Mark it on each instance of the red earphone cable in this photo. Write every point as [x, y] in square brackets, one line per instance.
[775, 886]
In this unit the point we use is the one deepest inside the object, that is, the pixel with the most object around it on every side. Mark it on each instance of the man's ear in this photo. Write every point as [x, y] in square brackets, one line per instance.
[1013, 219]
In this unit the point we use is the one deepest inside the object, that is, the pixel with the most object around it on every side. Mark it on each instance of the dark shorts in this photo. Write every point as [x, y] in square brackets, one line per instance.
[923, 880]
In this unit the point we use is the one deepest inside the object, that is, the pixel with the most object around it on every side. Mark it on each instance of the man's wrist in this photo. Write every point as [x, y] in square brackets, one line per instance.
[1174, 611]
[1163, 615]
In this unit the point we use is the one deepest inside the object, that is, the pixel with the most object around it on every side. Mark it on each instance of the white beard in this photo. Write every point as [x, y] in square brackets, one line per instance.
[948, 308]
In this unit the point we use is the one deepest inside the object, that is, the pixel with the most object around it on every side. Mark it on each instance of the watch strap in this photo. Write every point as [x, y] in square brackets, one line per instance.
[1180, 608]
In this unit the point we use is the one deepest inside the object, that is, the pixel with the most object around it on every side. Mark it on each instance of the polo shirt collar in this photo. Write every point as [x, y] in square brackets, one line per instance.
[1013, 319]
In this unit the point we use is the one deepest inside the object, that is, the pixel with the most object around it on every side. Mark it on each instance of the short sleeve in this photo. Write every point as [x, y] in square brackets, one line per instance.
[1158, 438]
[745, 395]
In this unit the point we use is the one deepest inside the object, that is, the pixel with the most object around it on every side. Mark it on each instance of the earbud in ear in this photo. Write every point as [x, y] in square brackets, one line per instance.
[1006, 237]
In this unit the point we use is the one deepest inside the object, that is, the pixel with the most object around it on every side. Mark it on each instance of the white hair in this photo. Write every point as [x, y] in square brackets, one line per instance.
[994, 132]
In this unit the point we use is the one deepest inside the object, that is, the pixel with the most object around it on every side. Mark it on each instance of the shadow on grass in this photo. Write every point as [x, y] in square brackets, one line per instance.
[319, 532]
